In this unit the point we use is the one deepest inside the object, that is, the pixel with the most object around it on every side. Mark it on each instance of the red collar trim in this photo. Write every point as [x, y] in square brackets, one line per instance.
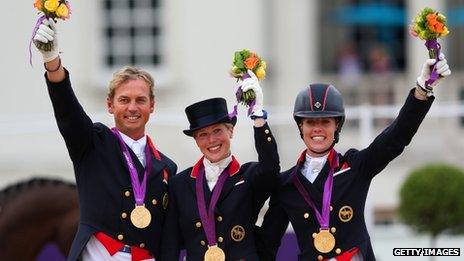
[234, 167]
[153, 148]
[344, 166]
[302, 157]
[332, 157]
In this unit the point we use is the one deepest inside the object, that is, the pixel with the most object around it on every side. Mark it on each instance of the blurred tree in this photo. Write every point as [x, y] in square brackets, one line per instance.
[432, 200]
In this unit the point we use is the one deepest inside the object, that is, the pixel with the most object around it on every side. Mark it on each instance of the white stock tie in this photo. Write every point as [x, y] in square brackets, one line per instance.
[315, 166]
[312, 167]
[213, 170]
[137, 149]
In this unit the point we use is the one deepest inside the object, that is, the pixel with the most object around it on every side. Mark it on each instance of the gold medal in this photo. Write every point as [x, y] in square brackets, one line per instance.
[140, 216]
[324, 241]
[214, 253]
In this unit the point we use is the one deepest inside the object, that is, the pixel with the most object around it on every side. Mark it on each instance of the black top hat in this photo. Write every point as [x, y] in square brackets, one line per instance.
[208, 112]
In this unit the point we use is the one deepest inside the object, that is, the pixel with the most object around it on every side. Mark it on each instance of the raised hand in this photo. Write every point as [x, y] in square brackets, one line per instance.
[253, 84]
[442, 69]
[47, 33]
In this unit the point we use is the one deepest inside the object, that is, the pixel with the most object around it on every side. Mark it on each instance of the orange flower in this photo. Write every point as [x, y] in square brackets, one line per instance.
[432, 19]
[439, 28]
[251, 61]
[38, 4]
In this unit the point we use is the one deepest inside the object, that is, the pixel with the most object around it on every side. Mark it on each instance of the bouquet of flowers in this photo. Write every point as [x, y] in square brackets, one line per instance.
[429, 25]
[55, 9]
[245, 60]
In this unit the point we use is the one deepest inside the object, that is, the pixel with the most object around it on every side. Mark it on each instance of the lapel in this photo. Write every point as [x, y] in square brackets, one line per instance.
[206, 191]
[316, 189]
[157, 164]
[229, 186]
[193, 179]
[234, 177]
[341, 184]
[234, 168]
[157, 167]
[138, 165]
[319, 182]
[122, 160]
[313, 189]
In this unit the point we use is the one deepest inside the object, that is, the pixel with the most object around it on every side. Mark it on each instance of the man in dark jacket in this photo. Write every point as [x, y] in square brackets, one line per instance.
[324, 194]
[214, 205]
[121, 177]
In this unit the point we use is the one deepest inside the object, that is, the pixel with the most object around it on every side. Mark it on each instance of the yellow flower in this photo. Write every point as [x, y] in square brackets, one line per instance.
[62, 11]
[51, 5]
[445, 31]
[260, 73]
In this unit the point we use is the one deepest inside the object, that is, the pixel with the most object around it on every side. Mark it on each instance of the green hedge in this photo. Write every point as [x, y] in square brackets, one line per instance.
[432, 199]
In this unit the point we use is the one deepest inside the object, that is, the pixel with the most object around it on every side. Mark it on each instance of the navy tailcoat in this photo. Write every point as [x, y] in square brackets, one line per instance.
[103, 180]
[243, 195]
[350, 188]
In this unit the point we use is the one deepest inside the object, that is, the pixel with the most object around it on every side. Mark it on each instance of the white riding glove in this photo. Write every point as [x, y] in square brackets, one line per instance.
[253, 84]
[442, 68]
[47, 33]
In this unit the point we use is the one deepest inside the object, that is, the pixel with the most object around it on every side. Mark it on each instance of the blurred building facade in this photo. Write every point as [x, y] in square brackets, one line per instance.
[362, 47]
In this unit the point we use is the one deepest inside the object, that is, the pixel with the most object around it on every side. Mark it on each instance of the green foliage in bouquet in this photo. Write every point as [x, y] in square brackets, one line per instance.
[243, 61]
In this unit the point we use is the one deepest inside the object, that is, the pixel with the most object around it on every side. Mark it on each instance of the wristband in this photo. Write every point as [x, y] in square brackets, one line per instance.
[54, 70]
[264, 116]
[427, 91]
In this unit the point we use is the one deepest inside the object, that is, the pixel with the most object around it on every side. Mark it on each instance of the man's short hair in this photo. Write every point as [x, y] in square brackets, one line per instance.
[127, 73]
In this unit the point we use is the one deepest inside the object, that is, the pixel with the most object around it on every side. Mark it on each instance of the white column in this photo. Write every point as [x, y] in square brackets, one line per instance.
[294, 48]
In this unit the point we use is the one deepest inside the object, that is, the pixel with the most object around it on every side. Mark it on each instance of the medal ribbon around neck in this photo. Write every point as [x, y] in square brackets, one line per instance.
[207, 217]
[324, 217]
[139, 188]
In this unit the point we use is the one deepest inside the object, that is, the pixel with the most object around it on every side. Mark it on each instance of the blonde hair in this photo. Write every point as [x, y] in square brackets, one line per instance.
[230, 126]
[127, 73]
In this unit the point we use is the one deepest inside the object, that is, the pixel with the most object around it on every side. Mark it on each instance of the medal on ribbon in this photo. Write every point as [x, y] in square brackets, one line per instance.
[324, 240]
[214, 253]
[140, 216]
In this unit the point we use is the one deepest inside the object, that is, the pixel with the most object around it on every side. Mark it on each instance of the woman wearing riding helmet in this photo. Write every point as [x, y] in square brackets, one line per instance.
[324, 194]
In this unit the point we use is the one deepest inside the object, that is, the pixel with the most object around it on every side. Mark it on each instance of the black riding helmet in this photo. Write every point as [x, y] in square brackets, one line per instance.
[320, 100]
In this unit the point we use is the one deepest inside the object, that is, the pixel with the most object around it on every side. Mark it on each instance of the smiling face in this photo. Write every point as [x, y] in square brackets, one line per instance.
[131, 106]
[318, 134]
[214, 141]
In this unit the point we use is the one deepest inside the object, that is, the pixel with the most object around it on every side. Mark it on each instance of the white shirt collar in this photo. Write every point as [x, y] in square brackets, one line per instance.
[137, 146]
[221, 164]
[213, 170]
[313, 166]
[129, 141]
